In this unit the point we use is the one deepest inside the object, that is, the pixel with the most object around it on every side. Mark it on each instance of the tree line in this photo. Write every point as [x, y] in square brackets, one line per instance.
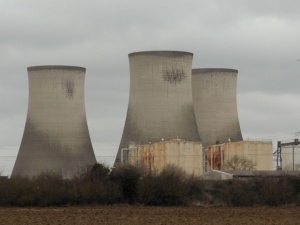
[101, 185]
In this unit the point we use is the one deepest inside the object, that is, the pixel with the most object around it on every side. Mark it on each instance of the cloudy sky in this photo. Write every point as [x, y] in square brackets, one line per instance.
[261, 39]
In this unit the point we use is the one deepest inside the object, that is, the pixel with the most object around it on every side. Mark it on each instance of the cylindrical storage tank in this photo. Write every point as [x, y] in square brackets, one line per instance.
[56, 137]
[160, 101]
[215, 105]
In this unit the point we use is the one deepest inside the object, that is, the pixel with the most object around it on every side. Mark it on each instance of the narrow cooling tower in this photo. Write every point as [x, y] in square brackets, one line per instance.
[56, 137]
[160, 102]
[215, 105]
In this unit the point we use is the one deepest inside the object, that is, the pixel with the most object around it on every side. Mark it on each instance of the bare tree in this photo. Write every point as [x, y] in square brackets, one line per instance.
[236, 162]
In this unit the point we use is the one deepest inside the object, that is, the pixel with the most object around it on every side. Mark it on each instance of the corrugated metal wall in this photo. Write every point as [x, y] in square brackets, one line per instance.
[261, 153]
[187, 155]
[291, 157]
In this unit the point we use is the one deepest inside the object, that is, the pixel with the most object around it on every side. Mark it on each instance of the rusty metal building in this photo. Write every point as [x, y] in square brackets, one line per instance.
[187, 155]
[160, 100]
[259, 152]
[215, 105]
[56, 137]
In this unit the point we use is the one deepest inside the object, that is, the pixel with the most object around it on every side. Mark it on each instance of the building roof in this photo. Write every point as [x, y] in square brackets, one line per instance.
[261, 173]
[236, 174]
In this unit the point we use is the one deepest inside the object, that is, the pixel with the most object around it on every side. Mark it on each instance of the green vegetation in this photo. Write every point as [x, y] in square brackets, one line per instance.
[126, 184]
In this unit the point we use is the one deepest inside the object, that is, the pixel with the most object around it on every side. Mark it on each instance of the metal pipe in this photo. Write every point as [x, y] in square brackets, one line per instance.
[122, 154]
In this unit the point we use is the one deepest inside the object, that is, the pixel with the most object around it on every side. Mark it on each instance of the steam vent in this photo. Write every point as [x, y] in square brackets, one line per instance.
[215, 104]
[160, 100]
[56, 137]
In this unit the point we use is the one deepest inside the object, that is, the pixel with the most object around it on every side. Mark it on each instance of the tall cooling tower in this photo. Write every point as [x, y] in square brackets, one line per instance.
[56, 137]
[215, 104]
[160, 102]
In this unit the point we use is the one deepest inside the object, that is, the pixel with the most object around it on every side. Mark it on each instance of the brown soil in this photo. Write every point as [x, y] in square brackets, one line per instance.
[149, 215]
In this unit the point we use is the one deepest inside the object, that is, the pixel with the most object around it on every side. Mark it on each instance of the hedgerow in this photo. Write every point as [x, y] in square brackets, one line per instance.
[99, 184]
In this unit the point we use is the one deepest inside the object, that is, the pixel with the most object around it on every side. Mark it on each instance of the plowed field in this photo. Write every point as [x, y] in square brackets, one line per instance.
[149, 215]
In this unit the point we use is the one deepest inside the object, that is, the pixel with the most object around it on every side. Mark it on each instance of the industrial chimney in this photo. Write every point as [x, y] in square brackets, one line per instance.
[215, 105]
[56, 137]
[160, 101]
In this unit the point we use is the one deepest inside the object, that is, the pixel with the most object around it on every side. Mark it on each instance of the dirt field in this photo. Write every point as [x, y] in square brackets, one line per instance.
[149, 215]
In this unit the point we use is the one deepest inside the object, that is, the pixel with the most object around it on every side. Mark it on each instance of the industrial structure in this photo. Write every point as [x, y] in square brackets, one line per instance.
[215, 105]
[287, 155]
[187, 155]
[176, 115]
[56, 137]
[248, 174]
[260, 153]
[160, 102]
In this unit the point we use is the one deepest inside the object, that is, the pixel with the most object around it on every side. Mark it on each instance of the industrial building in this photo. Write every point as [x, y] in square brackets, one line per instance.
[215, 105]
[160, 101]
[244, 174]
[287, 155]
[176, 115]
[187, 155]
[192, 158]
[259, 152]
[291, 158]
[162, 129]
[56, 137]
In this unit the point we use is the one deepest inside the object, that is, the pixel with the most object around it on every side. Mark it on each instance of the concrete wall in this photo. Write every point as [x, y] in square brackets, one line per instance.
[261, 153]
[56, 137]
[215, 104]
[187, 155]
[160, 100]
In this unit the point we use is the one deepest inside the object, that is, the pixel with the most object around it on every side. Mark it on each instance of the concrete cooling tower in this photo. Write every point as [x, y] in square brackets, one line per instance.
[215, 105]
[56, 137]
[160, 101]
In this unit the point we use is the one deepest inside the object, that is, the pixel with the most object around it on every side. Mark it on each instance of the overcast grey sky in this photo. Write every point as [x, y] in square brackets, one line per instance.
[259, 38]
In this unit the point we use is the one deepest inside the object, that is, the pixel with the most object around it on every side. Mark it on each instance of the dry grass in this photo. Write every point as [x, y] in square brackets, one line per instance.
[149, 215]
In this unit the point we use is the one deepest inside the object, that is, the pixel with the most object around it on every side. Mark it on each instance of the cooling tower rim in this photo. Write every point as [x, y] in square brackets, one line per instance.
[161, 52]
[209, 70]
[55, 67]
